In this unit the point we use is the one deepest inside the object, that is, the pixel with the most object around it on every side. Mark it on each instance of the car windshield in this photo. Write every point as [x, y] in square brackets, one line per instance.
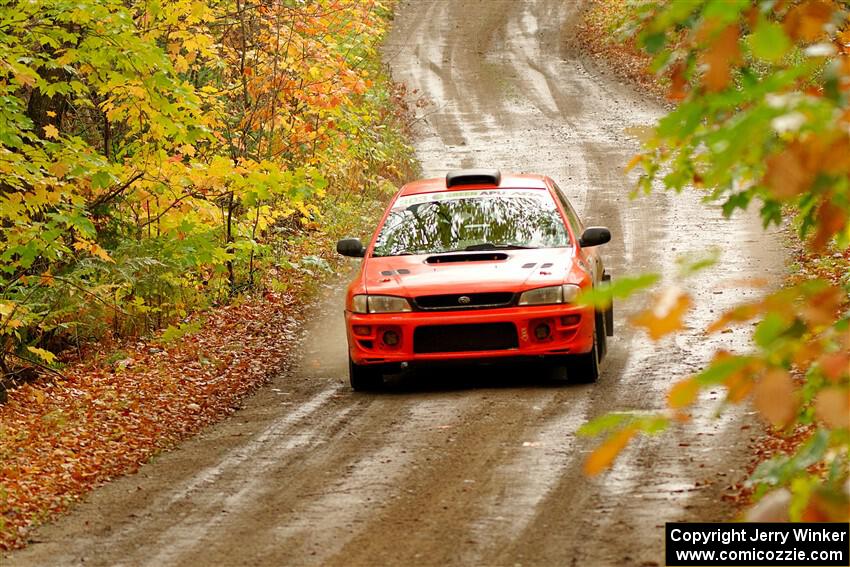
[453, 221]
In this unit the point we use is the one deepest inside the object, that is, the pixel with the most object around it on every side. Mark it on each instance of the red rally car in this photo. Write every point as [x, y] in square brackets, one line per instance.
[476, 266]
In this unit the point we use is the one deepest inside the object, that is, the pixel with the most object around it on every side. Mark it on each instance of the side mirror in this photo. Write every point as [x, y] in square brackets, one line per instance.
[351, 247]
[594, 236]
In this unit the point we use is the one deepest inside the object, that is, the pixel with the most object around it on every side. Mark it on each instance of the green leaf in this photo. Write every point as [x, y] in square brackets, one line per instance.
[721, 369]
[770, 329]
[172, 333]
[769, 41]
[648, 423]
[780, 470]
[653, 43]
[605, 423]
[694, 263]
[724, 11]
[603, 295]
[101, 179]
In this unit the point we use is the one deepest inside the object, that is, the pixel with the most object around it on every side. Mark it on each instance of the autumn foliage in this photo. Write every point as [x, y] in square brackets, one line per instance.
[762, 118]
[159, 157]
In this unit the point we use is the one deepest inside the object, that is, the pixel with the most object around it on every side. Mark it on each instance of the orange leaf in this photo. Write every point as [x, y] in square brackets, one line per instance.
[683, 393]
[737, 315]
[807, 352]
[836, 158]
[678, 82]
[633, 162]
[832, 406]
[776, 397]
[822, 308]
[831, 220]
[806, 21]
[666, 315]
[835, 365]
[787, 174]
[720, 55]
[602, 457]
[825, 507]
[738, 385]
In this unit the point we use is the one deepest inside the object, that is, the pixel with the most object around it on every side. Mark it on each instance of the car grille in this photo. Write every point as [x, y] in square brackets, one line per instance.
[464, 301]
[465, 338]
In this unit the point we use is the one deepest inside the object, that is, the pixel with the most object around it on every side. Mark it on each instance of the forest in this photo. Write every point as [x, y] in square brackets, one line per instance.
[161, 157]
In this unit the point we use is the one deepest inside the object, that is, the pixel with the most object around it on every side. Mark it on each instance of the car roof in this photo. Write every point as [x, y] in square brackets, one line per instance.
[507, 181]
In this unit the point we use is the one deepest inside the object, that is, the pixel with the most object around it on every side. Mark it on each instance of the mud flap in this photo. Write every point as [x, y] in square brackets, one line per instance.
[609, 313]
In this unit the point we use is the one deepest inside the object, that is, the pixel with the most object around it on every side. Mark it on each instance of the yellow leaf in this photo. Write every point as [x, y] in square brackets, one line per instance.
[58, 169]
[775, 397]
[832, 406]
[51, 114]
[26, 77]
[44, 355]
[100, 253]
[39, 396]
[683, 393]
[666, 315]
[6, 308]
[601, 458]
[50, 131]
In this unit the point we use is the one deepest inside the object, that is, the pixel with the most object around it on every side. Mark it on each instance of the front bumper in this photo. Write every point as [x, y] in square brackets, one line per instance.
[571, 332]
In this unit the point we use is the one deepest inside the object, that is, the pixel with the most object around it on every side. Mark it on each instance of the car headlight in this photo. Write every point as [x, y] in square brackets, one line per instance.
[549, 295]
[379, 304]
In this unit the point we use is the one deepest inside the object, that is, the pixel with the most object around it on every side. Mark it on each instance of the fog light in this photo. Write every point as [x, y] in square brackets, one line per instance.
[362, 330]
[569, 320]
[542, 331]
[390, 338]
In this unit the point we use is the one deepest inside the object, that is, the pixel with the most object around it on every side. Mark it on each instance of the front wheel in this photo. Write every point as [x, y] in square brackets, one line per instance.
[365, 378]
[584, 368]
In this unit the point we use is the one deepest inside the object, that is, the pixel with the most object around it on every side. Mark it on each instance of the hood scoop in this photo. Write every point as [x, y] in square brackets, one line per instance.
[467, 257]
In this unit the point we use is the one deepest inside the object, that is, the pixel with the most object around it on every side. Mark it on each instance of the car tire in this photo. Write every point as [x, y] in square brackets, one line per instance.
[584, 368]
[602, 334]
[365, 378]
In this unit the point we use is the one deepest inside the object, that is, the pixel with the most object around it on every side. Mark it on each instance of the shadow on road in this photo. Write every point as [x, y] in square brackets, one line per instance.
[477, 376]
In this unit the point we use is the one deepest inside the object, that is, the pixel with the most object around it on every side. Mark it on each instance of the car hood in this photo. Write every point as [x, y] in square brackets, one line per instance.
[514, 270]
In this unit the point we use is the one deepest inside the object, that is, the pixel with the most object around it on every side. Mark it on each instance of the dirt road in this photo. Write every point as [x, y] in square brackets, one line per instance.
[471, 469]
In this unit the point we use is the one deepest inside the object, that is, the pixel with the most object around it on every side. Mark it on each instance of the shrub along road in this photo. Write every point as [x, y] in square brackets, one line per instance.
[479, 467]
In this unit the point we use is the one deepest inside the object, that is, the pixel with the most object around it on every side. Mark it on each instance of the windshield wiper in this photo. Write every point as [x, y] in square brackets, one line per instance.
[491, 246]
[483, 247]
